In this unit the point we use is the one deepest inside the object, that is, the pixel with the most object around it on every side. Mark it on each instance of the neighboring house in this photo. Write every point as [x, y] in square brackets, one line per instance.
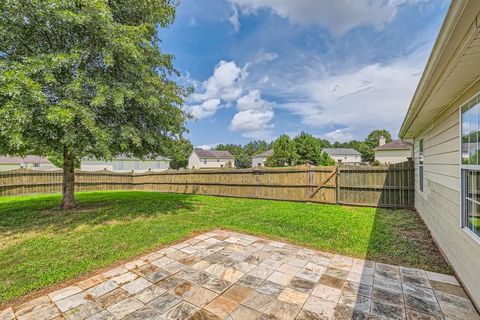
[258, 160]
[443, 119]
[205, 159]
[393, 152]
[28, 162]
[126, 164]
[344, 155]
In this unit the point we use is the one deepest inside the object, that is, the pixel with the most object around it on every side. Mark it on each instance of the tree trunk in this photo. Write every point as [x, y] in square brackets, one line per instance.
[68, 186]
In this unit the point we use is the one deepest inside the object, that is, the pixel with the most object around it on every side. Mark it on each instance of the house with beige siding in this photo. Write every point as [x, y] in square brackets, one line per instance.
[393, 152]
[258, 160]
[444, 122]
[210, 159]
[344, 155]
[27, 162]
[126, 164]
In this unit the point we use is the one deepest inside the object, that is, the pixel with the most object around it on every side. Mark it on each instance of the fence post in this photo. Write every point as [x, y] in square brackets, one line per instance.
[337, 188]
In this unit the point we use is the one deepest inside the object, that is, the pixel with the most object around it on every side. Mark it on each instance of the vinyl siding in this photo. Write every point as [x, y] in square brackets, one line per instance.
[439, 204]
[392, 156]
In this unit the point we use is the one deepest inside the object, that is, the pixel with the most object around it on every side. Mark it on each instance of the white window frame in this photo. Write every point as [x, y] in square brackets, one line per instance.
[464, 169]
[421, 167]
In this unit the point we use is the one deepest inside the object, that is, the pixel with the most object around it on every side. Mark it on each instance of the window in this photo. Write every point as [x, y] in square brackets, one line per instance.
[36, 165]
[205, 161]
[471, 166]
[420, 165]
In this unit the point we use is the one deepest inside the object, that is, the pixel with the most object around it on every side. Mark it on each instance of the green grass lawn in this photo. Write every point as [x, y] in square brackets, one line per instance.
[41, 245]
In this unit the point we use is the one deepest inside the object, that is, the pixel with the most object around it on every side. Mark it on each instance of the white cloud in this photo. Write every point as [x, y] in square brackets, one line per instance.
[337, 16]
[374, 96]
[340, 135]
[233, 19]
[221, 89]
[254, 117]
[207, 146]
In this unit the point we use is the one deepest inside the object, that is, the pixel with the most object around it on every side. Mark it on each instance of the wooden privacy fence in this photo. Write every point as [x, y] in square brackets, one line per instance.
[380, 186]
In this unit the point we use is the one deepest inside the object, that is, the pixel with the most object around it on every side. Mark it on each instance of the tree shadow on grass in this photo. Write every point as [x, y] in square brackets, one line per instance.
[40, 212]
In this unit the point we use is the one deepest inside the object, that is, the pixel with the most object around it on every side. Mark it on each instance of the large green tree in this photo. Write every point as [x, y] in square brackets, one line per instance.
[308, 149]
[284, 153]
[87, 78]
[367, 148]
[256, 147]
[179, 153]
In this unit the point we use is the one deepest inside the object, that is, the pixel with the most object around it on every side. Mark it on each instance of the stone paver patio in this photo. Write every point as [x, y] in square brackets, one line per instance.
[226, 275]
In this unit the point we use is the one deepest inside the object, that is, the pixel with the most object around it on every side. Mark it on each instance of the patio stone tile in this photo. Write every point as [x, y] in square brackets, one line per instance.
[289, 269]
[309, 315]
[134, 264]
[152, 256]
[419, 292]
[422, 305]
[364, 267]
[237, 293]
[104, 315]
[124, 278]
[320, 306]
[456, 307]
[190, 260]
[136, 285]
[194, 294]
[156, 276]
[215, 257]
[298, 262]
[38, 311]
[221, 306]
[7, 314]
[301, 284]
[387, 268]
[271, 264]
[169, 283]
[283, 310]
[258, 301]
[30, 305]
[416, 315]
[216, 284]
[115, 272]
[260, 272]
[150, 293]
[243, 266]
[181, 311]
[413, 272]
[177, 255]
[204, 315]
[449, 288]
[249, 281]
[326, 293]
[71, 302]
[162, 262]
[201, 265]
[337, 273]
[388, 297]
[90, 282]
[442, 278]
[145, 313]
[164, 302]
[242, 312]
[333, 282]
[316, 268]
[270, 288]
[343, 312]
[63, 293]
[280, 278]
[417, 281]
[387, 284]
[320, 260]
[84, 311]
[145, 269]
[113, 297]
[125, 307]
[102, 288]
[358, 288]
[174, 267]
[341, 262]
[293, 296]
[355, 302]
[387, 311]
[361, 278]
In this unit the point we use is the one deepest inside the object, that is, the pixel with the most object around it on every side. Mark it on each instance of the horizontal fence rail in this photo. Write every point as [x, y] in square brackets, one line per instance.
[379, 186]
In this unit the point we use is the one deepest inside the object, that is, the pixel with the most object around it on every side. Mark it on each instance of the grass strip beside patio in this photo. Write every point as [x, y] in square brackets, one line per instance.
[41, 245]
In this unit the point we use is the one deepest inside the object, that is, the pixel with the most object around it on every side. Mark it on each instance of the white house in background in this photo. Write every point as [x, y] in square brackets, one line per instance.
[126, 164]
[208, 159]
[344, 155]
[258, 160]
[28, 162]
[393, 152]
[443, 120]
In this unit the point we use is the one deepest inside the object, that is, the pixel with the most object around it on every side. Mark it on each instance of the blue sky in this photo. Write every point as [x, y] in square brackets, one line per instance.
[336, 69]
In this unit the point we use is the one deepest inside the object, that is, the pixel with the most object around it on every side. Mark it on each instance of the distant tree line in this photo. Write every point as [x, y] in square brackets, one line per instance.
[302, 149]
